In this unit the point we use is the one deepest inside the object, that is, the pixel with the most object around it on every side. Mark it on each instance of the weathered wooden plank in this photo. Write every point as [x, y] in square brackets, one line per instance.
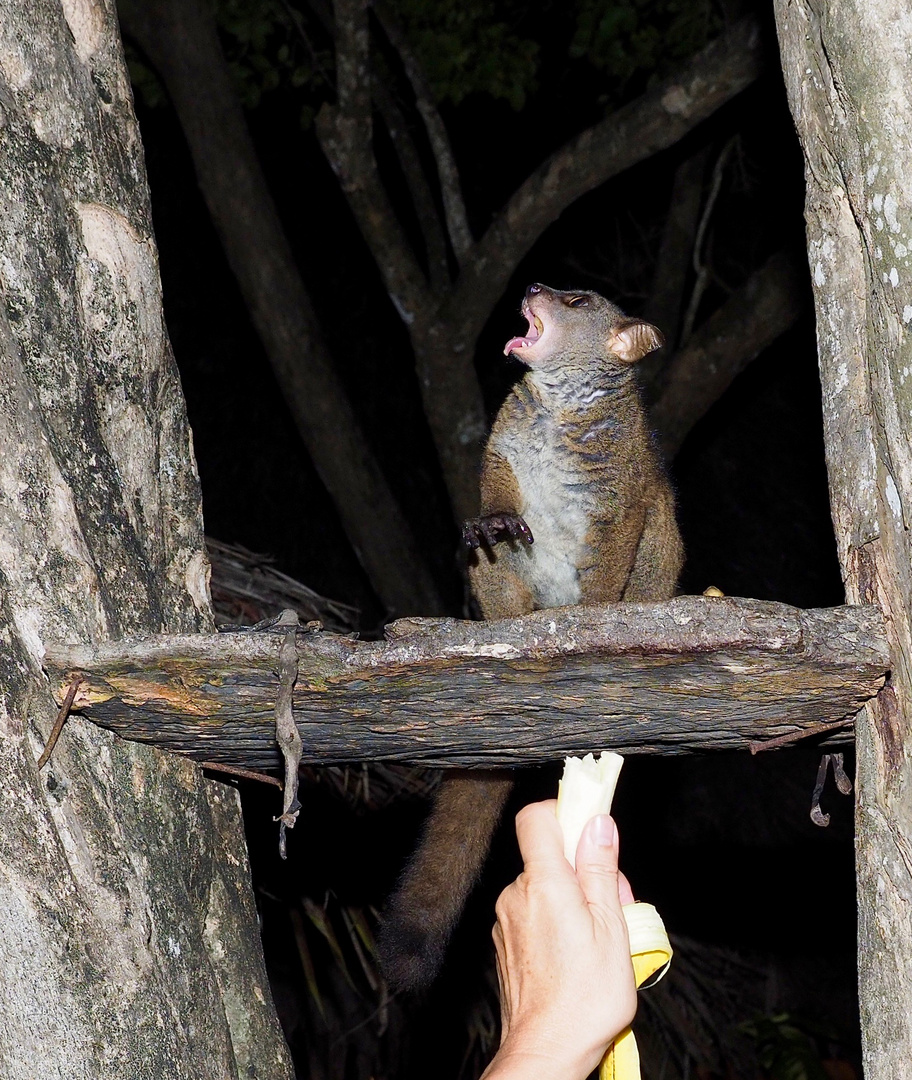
[688, 674]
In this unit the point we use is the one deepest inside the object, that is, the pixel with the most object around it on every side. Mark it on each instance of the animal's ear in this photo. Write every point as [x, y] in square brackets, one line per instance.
[632, 339]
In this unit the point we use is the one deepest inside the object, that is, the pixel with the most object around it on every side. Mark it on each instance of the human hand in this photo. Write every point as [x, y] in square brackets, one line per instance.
[563, 957]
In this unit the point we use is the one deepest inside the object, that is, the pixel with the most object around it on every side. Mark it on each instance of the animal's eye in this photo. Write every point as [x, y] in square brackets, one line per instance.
[578, 301]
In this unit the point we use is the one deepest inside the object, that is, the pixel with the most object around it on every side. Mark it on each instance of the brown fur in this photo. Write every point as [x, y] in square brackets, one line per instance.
[571, 459]
[437, 881]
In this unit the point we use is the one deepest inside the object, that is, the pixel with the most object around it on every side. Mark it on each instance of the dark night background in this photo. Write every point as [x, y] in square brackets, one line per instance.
[723, 844]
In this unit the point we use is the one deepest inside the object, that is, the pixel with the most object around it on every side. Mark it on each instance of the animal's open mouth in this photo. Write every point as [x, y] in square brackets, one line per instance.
[536, 329]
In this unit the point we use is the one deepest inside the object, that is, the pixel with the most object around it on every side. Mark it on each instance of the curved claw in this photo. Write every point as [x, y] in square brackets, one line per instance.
[518, 529]
[491, 529]
[470, 534]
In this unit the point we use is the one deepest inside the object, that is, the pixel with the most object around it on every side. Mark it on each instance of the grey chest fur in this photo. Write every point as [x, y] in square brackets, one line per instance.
[558, 506]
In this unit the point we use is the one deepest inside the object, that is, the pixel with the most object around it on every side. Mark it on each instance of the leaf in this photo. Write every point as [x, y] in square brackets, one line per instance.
[310, 975]
[318, 917]
[785, 1050]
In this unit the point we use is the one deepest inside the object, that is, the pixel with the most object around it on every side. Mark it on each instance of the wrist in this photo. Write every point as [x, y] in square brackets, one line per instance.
[522, 1057]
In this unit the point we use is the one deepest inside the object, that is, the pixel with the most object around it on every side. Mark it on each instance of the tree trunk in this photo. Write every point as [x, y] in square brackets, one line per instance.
[848, 70]
[128, 937]
[180, 39]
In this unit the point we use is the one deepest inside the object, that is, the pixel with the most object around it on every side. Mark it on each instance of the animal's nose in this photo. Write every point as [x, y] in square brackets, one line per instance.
[534, 290]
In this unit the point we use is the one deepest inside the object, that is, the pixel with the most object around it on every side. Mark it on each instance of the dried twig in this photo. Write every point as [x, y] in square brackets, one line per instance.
[287, 735]
[75, 683]
[236, 770]
[843, 785]
[817, 814]
[246, 587]
[701, 267]
[374, 785]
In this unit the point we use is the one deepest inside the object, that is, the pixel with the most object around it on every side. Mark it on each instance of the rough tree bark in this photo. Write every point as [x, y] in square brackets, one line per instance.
[683, 675]
[848, 71]
[128, 936]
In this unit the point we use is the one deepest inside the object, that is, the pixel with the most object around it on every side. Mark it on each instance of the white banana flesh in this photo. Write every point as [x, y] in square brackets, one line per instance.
[587, 790]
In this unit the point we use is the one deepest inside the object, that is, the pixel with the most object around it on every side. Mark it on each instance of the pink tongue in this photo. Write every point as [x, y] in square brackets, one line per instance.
[531, 337]
[516, 343]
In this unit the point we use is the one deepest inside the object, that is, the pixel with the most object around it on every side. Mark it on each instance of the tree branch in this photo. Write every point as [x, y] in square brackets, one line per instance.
[448, 175]
[701, 267]
[445, 344]
[450, 392]
[653, 122]
[767, 305]
[345, 134]
[444, 335]
[684, 675]
[417, 183]
[666, 299]
[409, 159]
[179, 37]
[352, 43]
[673, 265]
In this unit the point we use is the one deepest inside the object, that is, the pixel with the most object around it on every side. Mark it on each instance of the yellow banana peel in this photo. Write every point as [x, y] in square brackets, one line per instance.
[650, 951]
[586, 790]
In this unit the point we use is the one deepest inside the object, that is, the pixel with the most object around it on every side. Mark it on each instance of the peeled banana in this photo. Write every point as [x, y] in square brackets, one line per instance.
[586, 790]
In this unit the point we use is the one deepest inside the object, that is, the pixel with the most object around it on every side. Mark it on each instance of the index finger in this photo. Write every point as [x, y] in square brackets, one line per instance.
[540, 837]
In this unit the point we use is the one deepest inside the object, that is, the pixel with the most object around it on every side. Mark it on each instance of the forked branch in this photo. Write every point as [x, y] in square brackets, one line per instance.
[651, 123]
[447, 172]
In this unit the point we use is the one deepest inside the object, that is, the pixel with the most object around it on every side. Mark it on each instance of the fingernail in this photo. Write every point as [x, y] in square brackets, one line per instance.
[603, 830]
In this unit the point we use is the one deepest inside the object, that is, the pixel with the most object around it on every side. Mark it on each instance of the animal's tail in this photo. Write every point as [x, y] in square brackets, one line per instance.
[427, 903]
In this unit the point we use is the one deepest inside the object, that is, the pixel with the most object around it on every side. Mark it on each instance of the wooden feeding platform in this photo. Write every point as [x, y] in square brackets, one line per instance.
[689, 674]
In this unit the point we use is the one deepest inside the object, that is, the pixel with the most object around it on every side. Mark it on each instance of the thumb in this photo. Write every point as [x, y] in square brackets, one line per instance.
[597, 863]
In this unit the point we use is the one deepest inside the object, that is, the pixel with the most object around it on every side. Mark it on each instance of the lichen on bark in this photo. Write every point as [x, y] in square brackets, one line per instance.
[848, 72]
[123, 874]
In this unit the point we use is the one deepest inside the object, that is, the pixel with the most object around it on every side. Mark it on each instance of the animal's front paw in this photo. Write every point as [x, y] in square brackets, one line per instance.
[492, 528]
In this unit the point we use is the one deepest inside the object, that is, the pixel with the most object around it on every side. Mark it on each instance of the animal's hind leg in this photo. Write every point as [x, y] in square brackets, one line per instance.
[499, 590]
[659, 556]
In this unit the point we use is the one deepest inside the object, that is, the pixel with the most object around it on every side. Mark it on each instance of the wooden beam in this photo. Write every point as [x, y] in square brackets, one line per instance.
[689, 674]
